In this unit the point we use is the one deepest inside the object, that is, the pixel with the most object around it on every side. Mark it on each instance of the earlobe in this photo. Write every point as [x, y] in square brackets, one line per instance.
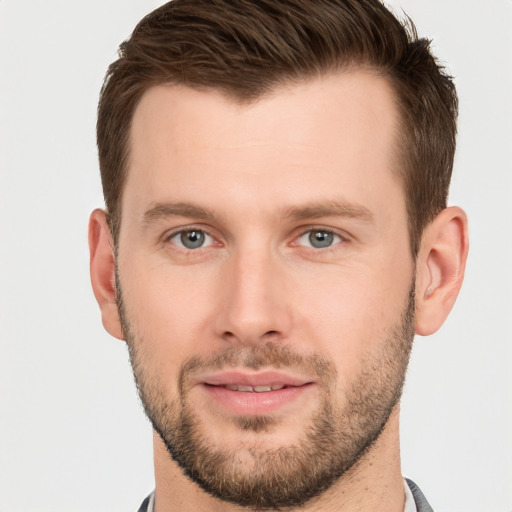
[102, 268]
[440, 268]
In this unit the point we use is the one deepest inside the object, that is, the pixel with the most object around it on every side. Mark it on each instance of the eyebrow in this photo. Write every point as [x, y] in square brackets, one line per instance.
[165, 210]
[329, 209]
[298, 213]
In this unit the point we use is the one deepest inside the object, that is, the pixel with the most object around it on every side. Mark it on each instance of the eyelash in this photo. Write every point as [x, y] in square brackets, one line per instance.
[187, 229]
[319, 229]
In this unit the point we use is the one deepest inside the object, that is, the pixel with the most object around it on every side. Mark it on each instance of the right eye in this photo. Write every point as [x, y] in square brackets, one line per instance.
[191, 239]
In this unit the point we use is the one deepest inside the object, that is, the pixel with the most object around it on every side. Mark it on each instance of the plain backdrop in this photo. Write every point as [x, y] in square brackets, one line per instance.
[73, 434]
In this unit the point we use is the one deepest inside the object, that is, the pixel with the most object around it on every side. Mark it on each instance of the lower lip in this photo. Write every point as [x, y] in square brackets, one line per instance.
[254, 403]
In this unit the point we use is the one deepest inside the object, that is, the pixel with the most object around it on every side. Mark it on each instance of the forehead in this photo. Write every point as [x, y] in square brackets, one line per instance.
[333, 133]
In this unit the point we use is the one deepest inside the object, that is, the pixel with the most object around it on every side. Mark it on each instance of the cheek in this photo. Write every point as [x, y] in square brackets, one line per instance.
[350, 314]
[169, 315]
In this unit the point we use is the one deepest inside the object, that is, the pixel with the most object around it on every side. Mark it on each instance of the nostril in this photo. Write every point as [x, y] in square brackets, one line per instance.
[271, 336]
[250, 338]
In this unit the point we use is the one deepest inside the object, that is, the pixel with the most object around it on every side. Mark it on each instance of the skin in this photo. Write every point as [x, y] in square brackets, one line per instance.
[315, 155]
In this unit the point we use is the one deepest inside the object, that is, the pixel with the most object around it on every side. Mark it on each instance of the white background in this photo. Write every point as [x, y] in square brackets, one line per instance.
[73, 435]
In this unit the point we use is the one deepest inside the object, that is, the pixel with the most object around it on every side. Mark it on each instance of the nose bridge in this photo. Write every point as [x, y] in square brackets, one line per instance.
[253, 304]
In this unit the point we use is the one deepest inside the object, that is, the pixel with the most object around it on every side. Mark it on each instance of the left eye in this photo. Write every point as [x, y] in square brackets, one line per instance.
[319, 239]
[191, 239]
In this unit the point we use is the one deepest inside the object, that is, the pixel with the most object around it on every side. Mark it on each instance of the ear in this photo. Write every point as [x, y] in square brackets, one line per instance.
[102, 267]
[440, 268]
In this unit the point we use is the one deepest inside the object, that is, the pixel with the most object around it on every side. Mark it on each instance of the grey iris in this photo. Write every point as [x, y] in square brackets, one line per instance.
[192, 239]
[321, 239]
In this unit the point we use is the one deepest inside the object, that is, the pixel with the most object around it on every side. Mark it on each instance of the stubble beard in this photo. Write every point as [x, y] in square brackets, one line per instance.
[337, 437]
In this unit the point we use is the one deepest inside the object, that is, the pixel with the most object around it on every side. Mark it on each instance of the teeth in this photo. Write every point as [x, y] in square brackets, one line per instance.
[259, 389]
[251, 389]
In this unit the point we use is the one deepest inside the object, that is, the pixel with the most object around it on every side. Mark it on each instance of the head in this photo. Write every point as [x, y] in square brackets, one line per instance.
[275, 174]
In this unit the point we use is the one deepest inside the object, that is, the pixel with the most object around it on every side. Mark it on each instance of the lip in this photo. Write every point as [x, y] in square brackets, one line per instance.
[253, 403]
[228, 378]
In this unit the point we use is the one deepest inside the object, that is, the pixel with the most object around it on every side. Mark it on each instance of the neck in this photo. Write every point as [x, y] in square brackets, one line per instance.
[374, 484]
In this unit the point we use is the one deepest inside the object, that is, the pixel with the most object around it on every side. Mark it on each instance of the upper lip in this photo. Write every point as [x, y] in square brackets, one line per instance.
[227, 378]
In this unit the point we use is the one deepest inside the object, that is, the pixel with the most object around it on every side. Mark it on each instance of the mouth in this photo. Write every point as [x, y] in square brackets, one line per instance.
[253, 394]
[254, 389]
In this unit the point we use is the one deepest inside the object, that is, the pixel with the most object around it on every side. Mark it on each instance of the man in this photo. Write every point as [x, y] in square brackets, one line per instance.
[275, 175]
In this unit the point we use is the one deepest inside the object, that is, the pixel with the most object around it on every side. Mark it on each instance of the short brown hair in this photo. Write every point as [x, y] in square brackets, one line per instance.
[246, 48]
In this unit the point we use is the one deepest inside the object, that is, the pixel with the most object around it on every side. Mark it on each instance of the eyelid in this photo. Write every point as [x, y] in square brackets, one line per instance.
[305, 240]
[170, 234]
[308, 229]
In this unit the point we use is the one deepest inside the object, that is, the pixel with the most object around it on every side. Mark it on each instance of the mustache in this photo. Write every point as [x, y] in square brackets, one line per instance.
[269, 355]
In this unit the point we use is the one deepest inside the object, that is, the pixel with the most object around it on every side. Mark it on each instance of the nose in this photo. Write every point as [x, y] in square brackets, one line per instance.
[253, 306]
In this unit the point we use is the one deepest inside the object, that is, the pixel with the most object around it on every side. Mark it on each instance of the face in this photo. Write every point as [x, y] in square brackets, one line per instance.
[265, 282]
